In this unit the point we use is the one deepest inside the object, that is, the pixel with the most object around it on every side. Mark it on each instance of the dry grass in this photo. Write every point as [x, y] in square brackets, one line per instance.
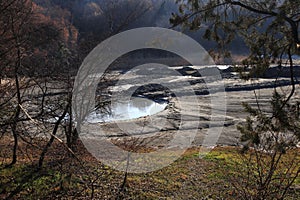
[65, 177]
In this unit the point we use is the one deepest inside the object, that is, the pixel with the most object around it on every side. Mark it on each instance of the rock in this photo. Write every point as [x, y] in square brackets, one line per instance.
[188, 71]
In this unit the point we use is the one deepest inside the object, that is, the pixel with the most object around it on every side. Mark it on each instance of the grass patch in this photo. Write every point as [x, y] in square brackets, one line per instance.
[189, 177]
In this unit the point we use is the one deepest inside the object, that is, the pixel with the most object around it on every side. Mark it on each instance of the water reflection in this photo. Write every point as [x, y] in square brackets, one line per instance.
[135, 108]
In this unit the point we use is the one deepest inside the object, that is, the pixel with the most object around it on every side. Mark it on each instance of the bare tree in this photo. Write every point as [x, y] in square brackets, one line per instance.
[15, 17]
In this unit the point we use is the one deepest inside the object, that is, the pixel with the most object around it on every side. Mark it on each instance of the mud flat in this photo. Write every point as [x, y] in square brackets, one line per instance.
[190, 113]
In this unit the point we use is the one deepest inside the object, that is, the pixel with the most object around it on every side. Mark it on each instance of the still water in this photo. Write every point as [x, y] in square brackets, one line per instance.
[135, 108]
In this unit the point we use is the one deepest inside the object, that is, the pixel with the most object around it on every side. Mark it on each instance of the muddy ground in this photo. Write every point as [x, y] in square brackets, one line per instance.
[199, 107]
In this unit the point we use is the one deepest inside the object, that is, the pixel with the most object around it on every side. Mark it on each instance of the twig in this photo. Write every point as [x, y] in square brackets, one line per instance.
[57, 138]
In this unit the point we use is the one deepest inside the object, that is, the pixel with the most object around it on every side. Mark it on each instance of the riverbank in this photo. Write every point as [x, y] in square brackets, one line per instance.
[196, 108]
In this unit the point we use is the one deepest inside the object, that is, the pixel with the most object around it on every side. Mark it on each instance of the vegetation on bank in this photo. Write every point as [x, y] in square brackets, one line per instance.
[221, 174]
